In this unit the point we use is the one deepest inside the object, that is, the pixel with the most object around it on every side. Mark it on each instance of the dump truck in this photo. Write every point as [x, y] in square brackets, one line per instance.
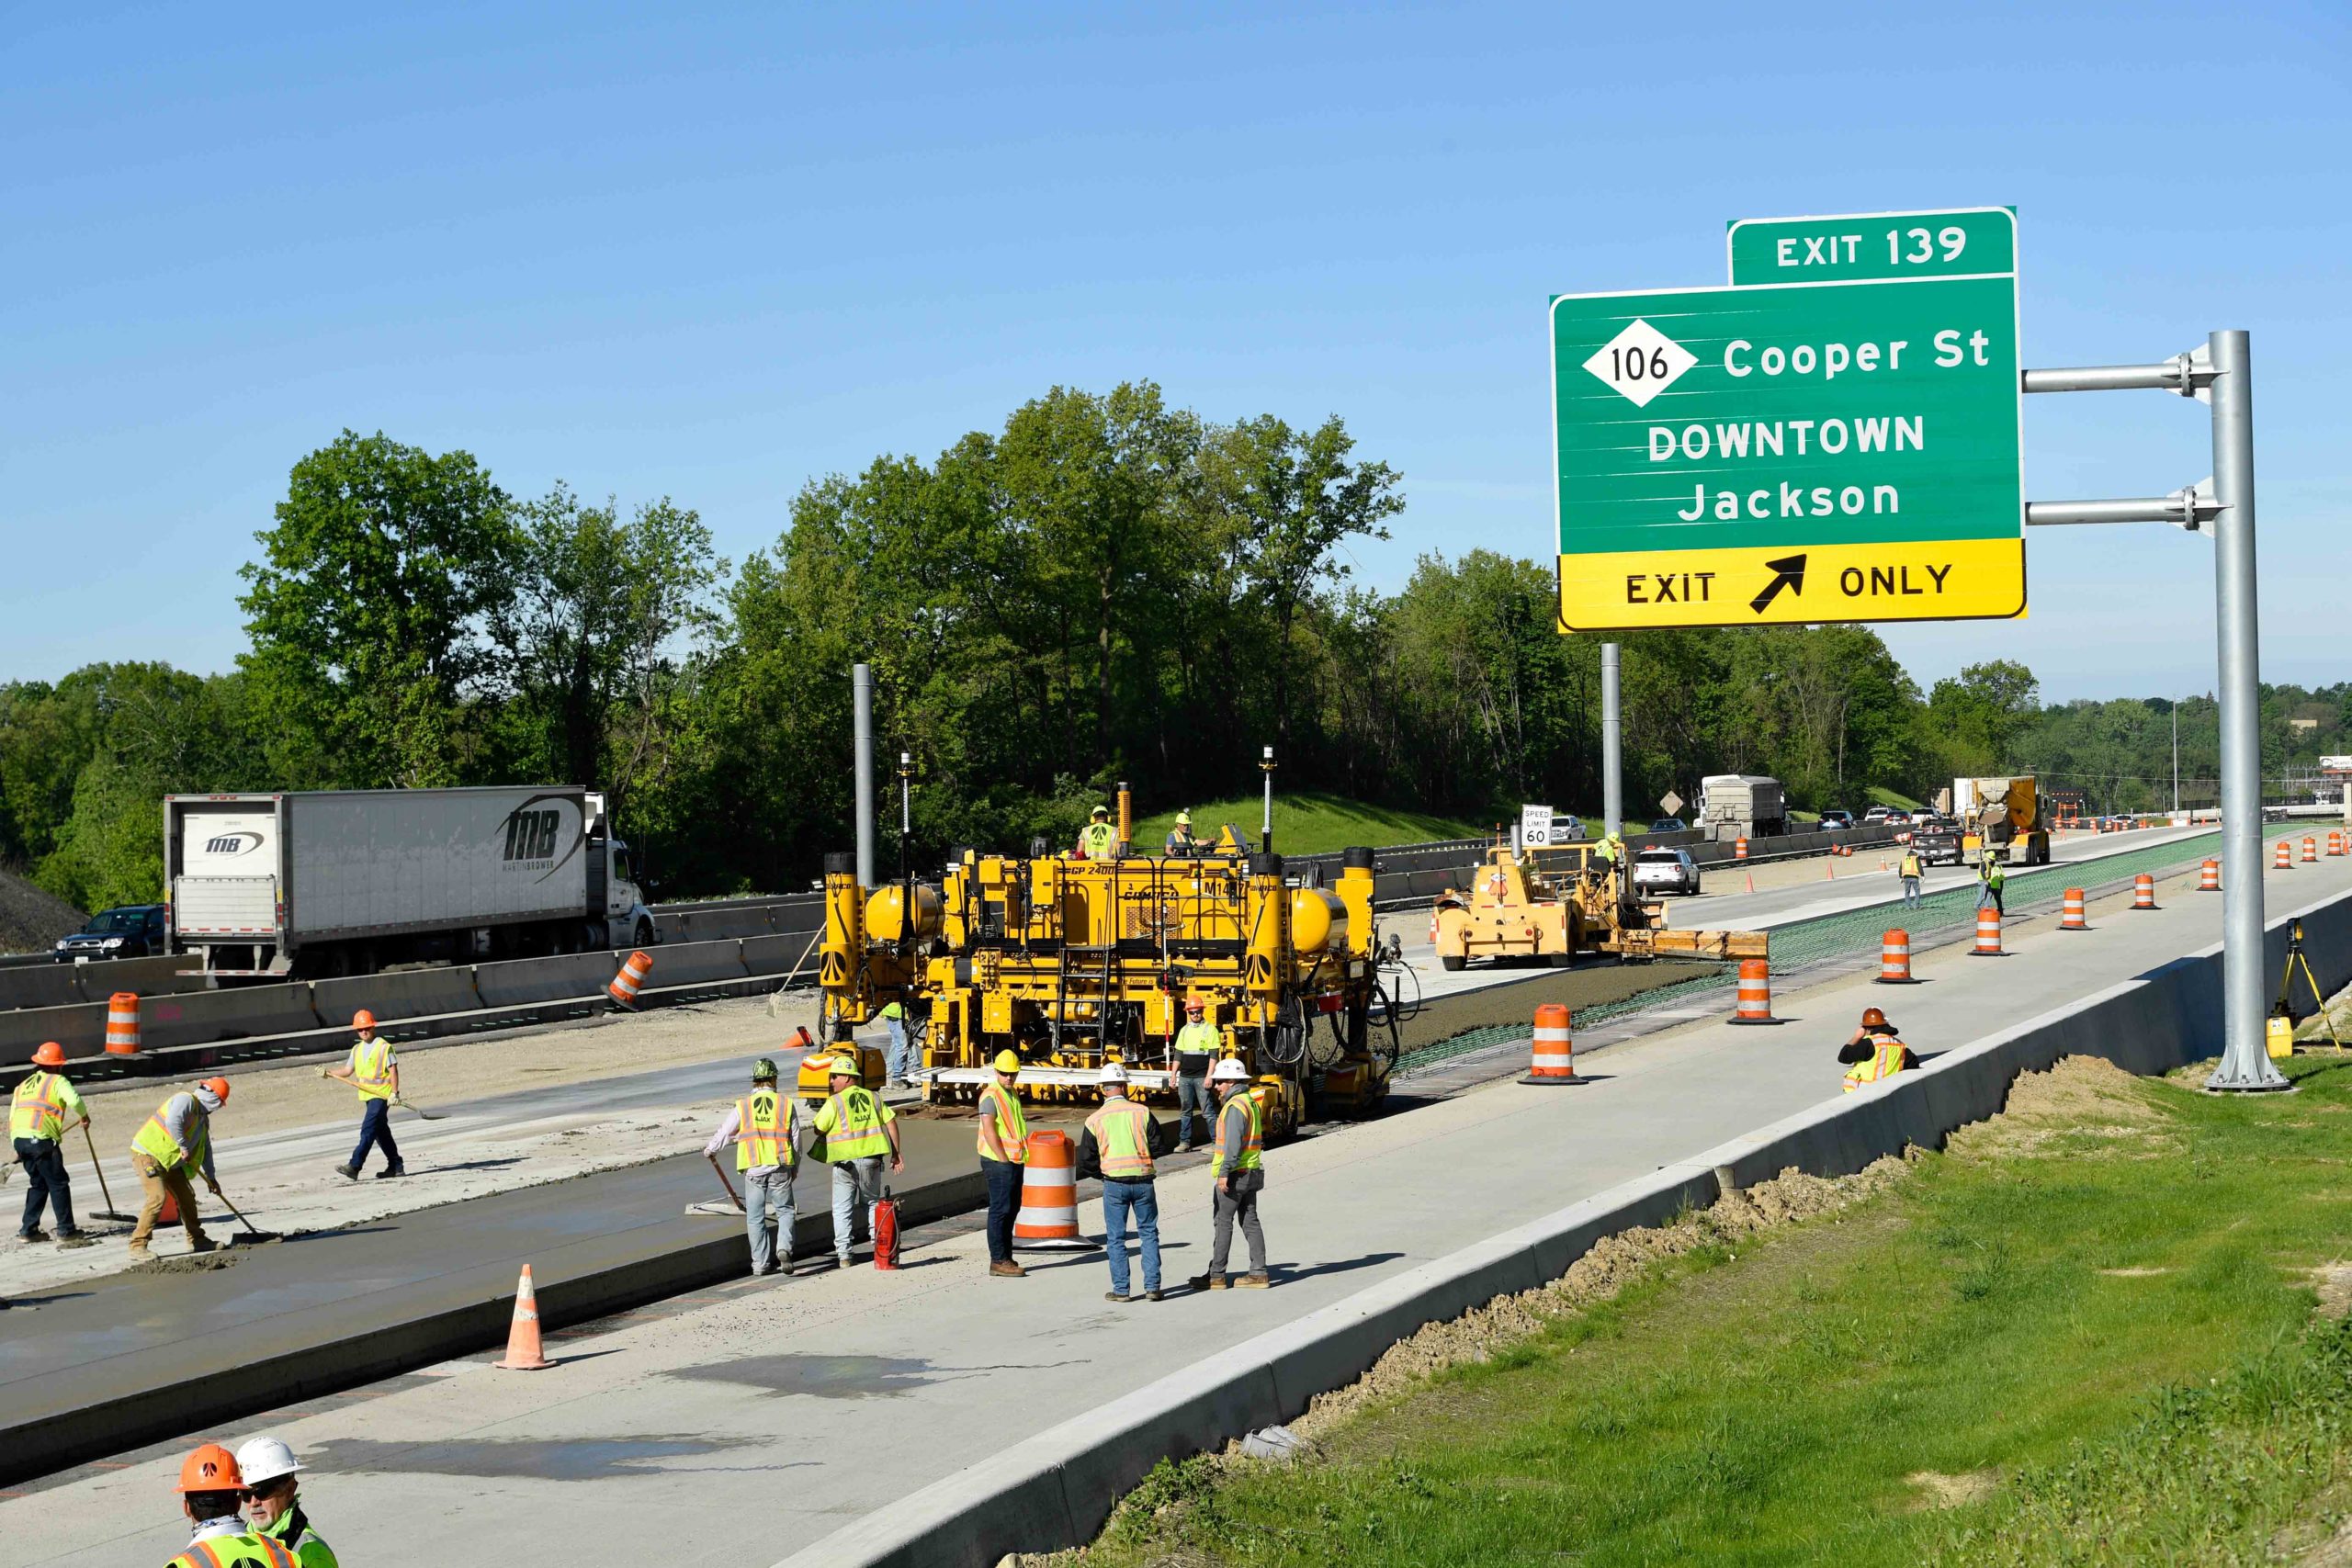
[2002, 816]
[1563, 903]
[310, 886]
[1070, 963]
[1742, 805]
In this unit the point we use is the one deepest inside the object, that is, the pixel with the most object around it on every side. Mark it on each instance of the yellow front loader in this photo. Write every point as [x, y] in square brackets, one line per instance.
[1560, 904]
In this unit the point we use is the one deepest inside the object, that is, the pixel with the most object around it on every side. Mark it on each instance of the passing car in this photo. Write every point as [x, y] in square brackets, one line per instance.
[1668, 825]
[132, 930]
[1836, 821]
[1876, 815]
[1896, 818]
[1659, 871]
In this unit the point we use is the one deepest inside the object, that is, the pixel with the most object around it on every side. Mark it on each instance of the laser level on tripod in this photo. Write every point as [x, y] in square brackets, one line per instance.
[2282, 1030]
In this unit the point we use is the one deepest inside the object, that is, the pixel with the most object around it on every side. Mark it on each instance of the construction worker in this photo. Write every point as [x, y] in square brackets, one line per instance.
[36, 1121]
[372, 1069]
[1909, 870]
[1877, 1050]
[896, 1065]
[1118, 1145]
[1004, 1149]
[1195, 1048]
[1238, 1169]
[1991, 873]
[1098, 840]
[178, 1136]
[1179, 837]
[274, 1503]
[859, 1132]
[211, 1492]
[760, 1126]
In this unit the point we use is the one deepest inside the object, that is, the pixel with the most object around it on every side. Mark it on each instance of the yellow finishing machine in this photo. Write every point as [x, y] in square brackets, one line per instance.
[1557, 903]
[1070, 963]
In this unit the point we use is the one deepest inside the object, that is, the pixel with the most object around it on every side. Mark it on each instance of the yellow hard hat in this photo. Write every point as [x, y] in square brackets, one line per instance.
[1184, 819]
[844, 1065]
[1006, 1062]
[1101, 811]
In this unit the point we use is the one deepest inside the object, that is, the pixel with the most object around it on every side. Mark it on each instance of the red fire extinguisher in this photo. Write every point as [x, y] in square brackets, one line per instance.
[885, 1231]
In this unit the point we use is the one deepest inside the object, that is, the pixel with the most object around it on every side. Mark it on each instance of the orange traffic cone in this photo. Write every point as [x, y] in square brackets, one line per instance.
[523, 1348]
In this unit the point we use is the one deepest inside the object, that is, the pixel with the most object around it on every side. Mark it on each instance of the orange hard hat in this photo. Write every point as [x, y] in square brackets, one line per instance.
[220, 1088]
[50, 1055]
[1873, 1019]
[211, 1468]
[1195, 1004]
[363, 1019]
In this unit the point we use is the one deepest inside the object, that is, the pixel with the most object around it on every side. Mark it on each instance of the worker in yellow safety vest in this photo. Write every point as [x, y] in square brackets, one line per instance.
[1119, 1144]
[178, 1137]
[860, 1133]
[1194, 1048]
[760, 1127]
[1004, 1149]
[375, 1071]
[274, 1501]
[1238, 1169]
[1098, 840]
[211, 1492]
[1876, 1050]
[1180, 842]
[898, 1063]
[1909, 871]
[38, 1124]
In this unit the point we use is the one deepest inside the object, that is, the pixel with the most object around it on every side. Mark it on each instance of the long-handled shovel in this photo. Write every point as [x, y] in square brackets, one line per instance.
[249, 1234]
[108, 1212]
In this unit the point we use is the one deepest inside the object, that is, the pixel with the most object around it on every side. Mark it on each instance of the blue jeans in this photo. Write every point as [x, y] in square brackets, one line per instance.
[1910, 892]
[375, 1129]
[1004, 1206]
[1140, 1199]
[854, 1180]
[1192, 1100]
[896, 1063]
[45, 1182]
[765, 1191]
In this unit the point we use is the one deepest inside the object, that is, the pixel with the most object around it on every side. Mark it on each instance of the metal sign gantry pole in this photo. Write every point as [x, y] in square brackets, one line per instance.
[2221, 374]
[1612, 745]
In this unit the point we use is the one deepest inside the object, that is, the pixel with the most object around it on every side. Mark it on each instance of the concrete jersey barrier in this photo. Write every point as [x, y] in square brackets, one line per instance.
[1056, 1489]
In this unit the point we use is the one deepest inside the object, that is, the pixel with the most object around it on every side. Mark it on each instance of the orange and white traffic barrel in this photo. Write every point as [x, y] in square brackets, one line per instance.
[1739, 849]
[2072, 919]
[2143, 892]
[1553, 1055]
[2285, 858]
[1048, 1216]
[1894, 959]
[2208, 877]
[2336, 840]
[2311, 850]
[1755, 992]
[631, 978]
[123, 1024]
[1988, 933]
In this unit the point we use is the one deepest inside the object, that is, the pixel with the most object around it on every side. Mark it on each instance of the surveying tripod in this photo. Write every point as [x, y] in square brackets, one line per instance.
[2298, 964]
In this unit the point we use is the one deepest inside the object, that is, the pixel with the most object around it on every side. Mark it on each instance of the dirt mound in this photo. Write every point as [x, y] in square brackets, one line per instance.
[2084, 1106]
[31, 920]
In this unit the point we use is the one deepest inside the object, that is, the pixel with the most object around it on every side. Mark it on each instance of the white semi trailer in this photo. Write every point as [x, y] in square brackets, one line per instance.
[348, 882]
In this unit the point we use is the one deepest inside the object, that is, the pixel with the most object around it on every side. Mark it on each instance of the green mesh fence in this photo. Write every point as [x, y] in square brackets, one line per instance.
[1856, 934]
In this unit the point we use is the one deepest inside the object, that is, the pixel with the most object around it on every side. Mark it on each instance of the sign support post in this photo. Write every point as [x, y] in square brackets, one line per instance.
[2221, 374]
[1612, 745]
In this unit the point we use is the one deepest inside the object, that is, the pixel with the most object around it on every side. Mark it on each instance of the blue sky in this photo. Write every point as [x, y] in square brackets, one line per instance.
[712, 253]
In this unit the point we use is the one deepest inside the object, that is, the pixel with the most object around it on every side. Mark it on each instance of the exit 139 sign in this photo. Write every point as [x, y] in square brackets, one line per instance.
[1841, 443]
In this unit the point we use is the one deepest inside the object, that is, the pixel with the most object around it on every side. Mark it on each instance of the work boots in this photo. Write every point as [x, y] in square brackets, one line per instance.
[1208, 1282]
[348, 1172]
[392, 1172]
[1007, 1268]
[1254, 1281]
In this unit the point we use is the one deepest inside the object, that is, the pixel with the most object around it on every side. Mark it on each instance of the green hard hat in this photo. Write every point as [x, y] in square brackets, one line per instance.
[763, 1071]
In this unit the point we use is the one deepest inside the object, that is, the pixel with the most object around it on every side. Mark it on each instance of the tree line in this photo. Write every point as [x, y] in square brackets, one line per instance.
[1106, 588]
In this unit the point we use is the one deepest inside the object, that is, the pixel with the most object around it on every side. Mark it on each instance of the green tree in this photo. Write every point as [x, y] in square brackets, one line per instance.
[368, 613]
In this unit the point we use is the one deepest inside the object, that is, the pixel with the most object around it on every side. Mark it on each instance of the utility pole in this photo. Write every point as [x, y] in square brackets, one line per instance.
[2175, 755]
[1612, 745]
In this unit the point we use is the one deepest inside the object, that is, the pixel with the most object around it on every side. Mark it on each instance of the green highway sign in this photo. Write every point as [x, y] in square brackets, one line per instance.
[1846, 450]
[1966, 241]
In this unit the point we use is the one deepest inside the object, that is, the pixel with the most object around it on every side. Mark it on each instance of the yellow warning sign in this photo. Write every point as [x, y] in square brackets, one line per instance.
[1921, 581]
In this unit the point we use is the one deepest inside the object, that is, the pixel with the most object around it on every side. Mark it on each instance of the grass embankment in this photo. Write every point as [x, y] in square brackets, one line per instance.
[1306, 824]
[2085, 1334]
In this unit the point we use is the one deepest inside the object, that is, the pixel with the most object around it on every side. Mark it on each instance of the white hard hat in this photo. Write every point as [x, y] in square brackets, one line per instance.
[1229, 1069]
[1112, 1073]
[266, 1459]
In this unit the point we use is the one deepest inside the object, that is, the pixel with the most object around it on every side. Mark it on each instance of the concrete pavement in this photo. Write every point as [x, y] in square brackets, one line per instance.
[806, 1404]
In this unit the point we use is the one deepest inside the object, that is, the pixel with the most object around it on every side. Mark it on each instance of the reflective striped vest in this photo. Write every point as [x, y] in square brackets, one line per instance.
[1001, 1117]
[1253, 1144]
[235, 1551]
[1096, 839]
[310, 1548]
[1887, 1060]
[38, 1110]
[1122, 1131]
[156, 1144]
[371, 1069]
[764, 1132]
[856, 1125]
